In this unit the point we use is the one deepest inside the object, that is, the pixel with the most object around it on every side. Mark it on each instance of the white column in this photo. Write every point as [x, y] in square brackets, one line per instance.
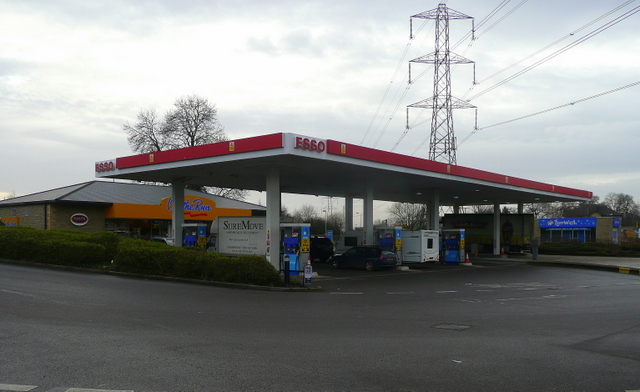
[496, 228]
[368, 214]
[273, 218]
[348, 213]
[434, 210]
[177, 212]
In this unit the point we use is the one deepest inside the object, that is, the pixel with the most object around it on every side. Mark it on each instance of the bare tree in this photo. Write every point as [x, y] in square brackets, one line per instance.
[306, 213]
[192, 122]
[621, 203]
[146, 134]
[409, 215]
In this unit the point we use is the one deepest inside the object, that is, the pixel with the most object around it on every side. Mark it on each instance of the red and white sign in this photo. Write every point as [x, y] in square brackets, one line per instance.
[105, 166]
[79, 219]
[306, 143]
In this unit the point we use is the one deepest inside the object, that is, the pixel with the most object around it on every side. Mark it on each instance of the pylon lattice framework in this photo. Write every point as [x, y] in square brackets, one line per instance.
[442, 142]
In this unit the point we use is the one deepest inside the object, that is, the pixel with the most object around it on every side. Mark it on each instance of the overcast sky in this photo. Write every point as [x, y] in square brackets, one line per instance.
[72, 72]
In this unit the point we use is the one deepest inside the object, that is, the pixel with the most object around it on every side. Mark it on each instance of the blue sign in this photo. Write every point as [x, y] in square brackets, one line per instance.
[330, 235]
[616, 222]
[567, 223]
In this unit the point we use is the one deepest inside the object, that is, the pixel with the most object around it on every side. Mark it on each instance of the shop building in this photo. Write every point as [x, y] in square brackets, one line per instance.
[134, 209]
[593, 229]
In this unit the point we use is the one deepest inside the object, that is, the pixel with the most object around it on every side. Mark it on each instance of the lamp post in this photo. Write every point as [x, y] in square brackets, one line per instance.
[325, 222]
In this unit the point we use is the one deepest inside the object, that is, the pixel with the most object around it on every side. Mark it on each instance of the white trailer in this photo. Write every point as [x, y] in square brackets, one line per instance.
[421, 246]
[349, 239]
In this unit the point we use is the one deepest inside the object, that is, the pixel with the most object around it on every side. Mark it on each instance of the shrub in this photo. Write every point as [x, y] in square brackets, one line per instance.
[72, 248]
[590, 249]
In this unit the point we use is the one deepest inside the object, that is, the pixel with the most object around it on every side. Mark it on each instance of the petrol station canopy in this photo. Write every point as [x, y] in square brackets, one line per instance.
[321, 167]
[290, 163]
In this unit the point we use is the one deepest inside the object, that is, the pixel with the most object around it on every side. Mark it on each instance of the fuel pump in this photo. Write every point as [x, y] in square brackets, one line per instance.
[295, 248]
[390, 238]
[453, 246]
[194, 234]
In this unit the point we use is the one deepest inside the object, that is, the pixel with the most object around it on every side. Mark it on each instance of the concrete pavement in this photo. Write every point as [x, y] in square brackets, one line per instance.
[626, 265]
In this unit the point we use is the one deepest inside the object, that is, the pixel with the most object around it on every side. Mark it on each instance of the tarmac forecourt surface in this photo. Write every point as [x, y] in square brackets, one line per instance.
[624, 265]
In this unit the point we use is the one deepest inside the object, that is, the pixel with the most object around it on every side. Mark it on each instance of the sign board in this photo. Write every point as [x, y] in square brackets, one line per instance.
[242, 235]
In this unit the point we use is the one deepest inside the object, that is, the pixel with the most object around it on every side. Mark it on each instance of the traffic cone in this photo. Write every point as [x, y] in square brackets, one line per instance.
[467, 261]
[502, 254]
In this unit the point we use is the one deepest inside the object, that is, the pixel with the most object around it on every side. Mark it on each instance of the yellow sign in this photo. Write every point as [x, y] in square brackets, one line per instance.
[202, 242]
[398, 244]
[305, 245]
[11, 221]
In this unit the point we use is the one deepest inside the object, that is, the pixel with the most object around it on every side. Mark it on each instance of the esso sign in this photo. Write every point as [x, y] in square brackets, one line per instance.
[79, 219]
[105, 166]
[305, 143]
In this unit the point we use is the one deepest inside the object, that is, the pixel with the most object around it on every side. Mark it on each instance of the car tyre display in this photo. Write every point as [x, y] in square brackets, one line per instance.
[368, 266]
[334, 263]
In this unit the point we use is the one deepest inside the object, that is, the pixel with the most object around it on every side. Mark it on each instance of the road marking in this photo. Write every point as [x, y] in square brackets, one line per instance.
[445, 292]
[13, 387]
[97, 390]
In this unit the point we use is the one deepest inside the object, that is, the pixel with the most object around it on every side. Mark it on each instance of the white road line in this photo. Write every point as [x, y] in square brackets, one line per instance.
[97, 390]
[400, 292]
[13, 387]
[445, 292]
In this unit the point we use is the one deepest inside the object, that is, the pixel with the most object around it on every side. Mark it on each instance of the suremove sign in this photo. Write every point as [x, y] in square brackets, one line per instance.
[242, 235]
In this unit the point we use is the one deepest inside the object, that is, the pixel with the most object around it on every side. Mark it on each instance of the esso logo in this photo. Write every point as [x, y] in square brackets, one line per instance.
[79, 219]
[310, 144]
[105, 166]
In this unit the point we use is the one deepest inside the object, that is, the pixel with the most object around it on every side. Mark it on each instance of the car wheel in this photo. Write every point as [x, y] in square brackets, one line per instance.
[368, 265]
[335, 264]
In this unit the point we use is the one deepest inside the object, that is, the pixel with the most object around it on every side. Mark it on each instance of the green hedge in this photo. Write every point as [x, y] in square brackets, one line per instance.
[61, 247]
[108, 250]
[630, 249]
[155, 258]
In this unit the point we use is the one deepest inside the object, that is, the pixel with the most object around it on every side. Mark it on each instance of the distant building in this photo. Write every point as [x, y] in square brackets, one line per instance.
[137, 210]
[593, 229]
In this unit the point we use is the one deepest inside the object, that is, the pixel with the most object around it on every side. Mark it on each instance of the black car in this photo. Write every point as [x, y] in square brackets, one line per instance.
[367, 257]
[321, 249]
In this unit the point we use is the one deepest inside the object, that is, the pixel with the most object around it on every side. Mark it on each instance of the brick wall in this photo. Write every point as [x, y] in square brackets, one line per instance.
[60, 217]
[33, 215]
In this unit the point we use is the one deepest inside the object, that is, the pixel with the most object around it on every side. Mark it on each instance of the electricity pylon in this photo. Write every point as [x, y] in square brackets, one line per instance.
[442, 142]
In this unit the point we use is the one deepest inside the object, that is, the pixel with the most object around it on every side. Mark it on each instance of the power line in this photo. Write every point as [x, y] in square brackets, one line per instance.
[555, 42]
[550, 109]
[561, 50]
[395, 74]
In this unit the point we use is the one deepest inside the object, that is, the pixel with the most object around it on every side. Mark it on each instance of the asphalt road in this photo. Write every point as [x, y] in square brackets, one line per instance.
[500, 327]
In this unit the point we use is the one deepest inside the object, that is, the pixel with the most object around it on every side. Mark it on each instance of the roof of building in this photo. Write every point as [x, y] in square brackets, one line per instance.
[313, 166]
[108, 192]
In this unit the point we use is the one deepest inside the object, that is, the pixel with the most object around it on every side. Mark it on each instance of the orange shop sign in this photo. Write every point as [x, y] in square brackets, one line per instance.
[11, 221]
[194, 207]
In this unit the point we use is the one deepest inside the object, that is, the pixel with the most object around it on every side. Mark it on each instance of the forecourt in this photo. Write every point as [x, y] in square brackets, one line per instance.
[292, 163]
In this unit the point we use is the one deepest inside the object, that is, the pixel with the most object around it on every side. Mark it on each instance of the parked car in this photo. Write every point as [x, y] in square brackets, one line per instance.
[367, 257]
[321, 249]
[168, 241]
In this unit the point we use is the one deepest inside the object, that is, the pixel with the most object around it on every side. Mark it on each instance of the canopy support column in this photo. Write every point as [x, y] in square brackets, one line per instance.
[177, 212]
[368, 215]
[496, 228]
[273, 218]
